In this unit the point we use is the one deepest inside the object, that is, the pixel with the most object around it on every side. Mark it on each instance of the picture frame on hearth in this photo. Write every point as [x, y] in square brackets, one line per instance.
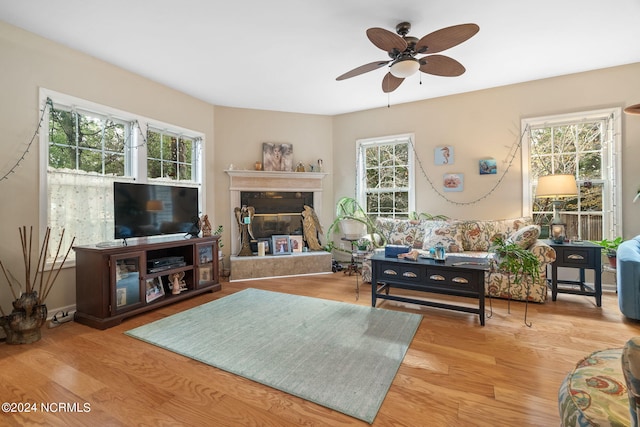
[296, 243]
[281, 245]
[267, 244]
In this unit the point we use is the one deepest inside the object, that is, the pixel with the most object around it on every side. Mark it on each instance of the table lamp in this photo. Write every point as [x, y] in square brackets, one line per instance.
[554, 187]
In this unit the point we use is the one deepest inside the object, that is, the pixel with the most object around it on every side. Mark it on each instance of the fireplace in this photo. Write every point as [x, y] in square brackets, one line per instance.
[276, 212]
[278, 198]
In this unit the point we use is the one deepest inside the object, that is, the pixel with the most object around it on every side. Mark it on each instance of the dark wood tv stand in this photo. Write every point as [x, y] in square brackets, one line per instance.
[116, 281]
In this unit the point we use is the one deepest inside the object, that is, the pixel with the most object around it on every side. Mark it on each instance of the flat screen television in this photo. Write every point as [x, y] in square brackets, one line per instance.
[142, 210]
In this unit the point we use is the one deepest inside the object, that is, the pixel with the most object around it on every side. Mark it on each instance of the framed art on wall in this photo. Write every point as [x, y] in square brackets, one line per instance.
[277, 157]
[453, 182]
[488, 167]
[281, 245]
[443, 155]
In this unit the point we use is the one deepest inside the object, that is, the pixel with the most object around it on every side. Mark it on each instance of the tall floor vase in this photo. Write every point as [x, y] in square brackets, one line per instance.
[23, 325]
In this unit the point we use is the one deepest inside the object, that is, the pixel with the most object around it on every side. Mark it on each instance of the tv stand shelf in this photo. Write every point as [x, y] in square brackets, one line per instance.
[116, 282]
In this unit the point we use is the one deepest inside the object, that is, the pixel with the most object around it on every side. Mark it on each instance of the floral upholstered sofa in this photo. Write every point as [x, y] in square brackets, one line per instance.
[472, 238]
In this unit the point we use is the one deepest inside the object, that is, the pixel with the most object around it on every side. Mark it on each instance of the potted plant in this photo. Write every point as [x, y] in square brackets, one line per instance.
[224, 272]
[352, 220]
[513, 259]
[363, 244]
[610, 248]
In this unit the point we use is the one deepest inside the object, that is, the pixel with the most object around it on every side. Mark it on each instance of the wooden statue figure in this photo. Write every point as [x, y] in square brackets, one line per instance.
[244, 217]
[311, 227]
[205, 226]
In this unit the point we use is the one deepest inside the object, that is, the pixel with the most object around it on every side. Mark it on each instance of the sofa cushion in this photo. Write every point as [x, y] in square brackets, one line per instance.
[402, 232]
[525, 236]
[478, 234]
[449, 233]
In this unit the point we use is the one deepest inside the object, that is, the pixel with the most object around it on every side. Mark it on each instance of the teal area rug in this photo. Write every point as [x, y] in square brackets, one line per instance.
[338, 355]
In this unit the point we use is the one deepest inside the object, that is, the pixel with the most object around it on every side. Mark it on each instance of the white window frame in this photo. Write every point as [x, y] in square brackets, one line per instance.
[611, 163]
[362, 144]
[137, 146]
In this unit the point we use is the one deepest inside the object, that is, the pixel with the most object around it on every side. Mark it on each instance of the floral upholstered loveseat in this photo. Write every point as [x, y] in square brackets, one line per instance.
[472, 238]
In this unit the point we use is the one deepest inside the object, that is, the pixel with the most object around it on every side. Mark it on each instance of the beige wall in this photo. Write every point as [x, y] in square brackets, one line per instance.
[487, 124]
[479, 124]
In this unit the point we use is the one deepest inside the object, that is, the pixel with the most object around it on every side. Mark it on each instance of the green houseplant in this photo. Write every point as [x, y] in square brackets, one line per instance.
[514, 259]
[610, 248]
[352, 220]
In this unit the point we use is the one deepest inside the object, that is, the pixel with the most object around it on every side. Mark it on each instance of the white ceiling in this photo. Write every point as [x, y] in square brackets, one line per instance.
[284, 55]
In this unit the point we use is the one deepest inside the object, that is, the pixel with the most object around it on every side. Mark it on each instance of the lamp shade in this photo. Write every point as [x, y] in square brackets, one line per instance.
[633, 109]
[405, 68]
[554, 186]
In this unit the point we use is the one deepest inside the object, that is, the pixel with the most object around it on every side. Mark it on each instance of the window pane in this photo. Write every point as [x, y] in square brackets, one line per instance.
[153, 145]
[372, 178]
[402, 176]
[386, 178]
[114, 136]
[154, 168]
[402, 202]
[591, 197]
[402, 154]
[371, 156]
[590, 166]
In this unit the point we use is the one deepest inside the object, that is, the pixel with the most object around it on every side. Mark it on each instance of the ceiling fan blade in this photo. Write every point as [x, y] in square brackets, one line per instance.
[363, 69]
[446, 38]
[391, 83]
[386, 40]
[440, 65]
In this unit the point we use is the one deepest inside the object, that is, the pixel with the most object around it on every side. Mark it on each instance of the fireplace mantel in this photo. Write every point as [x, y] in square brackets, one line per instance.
[241, 180]
[247, 180]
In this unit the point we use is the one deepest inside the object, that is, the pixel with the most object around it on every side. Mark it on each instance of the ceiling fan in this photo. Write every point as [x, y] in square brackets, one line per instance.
[402, 50]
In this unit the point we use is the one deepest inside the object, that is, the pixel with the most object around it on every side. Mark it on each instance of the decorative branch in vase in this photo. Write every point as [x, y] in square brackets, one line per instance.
[22, 325]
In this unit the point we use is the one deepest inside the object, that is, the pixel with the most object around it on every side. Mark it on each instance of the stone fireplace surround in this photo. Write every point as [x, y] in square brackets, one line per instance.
[279, 265]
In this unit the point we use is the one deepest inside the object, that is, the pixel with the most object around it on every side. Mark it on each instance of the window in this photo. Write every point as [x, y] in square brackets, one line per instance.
[87, 147]
[169, 155]
[385, 176]
[586, 145]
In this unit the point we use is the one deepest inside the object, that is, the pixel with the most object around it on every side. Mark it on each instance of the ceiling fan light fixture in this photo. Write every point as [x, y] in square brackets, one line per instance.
[405, 68]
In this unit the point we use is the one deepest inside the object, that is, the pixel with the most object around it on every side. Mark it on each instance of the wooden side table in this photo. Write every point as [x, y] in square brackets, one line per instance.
[584, 256]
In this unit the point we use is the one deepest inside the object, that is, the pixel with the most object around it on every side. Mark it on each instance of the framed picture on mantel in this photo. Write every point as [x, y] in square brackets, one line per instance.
[277, 157]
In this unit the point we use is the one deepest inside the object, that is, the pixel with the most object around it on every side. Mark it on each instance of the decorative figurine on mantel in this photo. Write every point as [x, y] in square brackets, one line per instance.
[244, 217]
[205, 226]
[311, 227]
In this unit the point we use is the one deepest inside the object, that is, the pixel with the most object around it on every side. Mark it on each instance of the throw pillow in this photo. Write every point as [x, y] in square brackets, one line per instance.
[525, 236]
[404, 232]
[446, 232]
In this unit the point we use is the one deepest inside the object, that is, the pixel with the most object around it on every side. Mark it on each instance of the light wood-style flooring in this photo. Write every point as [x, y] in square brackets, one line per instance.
[456, 372]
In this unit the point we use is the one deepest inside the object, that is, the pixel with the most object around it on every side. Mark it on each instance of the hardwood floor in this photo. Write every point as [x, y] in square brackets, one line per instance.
[456, 373]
